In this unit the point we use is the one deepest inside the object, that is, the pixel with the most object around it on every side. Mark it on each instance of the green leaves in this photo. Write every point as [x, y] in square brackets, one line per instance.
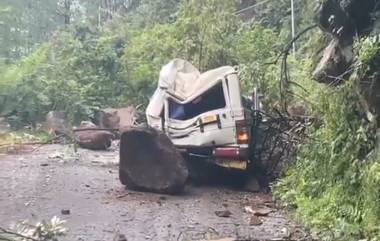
[334, 178]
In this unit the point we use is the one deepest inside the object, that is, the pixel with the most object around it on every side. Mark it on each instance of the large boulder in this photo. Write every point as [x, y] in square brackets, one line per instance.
[93, 139]
[346, 20]
[150, 162]
[333, 66]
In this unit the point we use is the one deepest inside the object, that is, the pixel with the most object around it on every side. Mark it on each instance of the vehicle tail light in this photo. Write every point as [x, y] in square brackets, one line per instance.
[227, 152]
[242, 132]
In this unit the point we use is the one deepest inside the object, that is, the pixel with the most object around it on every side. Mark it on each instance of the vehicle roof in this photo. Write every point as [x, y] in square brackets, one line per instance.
[182, 80]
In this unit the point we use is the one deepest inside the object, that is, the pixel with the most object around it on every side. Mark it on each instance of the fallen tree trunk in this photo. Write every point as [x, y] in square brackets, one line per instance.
[150, 162]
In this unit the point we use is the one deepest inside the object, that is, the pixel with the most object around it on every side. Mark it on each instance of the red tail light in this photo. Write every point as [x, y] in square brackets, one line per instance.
[231, 153]
[227, 152]
[242, 132]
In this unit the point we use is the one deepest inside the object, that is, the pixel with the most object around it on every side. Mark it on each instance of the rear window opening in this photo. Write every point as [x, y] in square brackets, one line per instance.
[212, 99]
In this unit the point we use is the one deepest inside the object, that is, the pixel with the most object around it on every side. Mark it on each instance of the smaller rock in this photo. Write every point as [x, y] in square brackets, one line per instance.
[223, 214]
[44, 164]
[270, 204]
[57, 123]
[262, 212]
[248, 209]
[121, 237]
[93, 139]
[255, 221]
[65, 211]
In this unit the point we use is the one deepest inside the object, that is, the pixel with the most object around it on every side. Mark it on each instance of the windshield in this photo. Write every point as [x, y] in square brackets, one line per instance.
[212, 99]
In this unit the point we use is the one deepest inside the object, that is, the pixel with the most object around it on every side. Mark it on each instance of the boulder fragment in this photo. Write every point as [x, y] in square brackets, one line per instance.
[333, 66]
[262, 212]
[65, 211]
[57, 123]
[116, 118]
[255, 221]
[223, 214]
[93, 139]
[150, 162]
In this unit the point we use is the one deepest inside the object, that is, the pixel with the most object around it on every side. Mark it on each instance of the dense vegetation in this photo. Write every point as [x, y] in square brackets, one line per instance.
[97, 60]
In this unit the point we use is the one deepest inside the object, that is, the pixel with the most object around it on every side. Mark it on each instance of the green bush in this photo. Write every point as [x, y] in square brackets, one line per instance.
[70, 73]
[255, 49]
[334, 183]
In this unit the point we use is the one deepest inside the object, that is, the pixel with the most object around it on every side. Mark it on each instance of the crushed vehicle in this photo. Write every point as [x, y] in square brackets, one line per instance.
[204, 114]
[194, 119]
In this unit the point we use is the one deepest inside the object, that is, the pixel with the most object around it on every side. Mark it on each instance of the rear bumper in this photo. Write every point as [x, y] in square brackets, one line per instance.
[232, 157]
[235, 153]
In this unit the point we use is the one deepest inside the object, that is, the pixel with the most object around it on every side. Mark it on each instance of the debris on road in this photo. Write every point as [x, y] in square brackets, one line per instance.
[223, 214]
[255, 221]
[248, 209]
[116, 118]
[93, 139]
[65, 211]
[262, 212]
[120, 237]
[57, 123]
[150, 162]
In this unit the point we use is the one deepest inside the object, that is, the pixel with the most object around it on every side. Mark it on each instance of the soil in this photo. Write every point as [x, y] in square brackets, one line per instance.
[83, 188]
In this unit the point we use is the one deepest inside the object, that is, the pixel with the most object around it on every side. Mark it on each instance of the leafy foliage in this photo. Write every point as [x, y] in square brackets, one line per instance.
[335, 182]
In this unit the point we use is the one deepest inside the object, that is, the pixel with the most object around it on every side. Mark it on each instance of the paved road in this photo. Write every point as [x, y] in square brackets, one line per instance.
[38, 185]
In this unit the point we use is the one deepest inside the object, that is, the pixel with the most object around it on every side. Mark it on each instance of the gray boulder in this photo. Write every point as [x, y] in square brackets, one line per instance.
[150, 162]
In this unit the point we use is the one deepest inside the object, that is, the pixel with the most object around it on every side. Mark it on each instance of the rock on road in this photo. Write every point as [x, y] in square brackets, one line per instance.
[37, 185]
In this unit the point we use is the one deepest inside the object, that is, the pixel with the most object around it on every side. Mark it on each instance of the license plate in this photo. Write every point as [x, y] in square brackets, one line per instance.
[209, 119]
[233, 164]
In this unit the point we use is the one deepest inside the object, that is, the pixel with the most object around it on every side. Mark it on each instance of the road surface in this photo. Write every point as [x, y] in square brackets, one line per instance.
[38, 184]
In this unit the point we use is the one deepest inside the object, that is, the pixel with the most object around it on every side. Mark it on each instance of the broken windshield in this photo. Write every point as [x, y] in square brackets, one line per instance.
[212, 99]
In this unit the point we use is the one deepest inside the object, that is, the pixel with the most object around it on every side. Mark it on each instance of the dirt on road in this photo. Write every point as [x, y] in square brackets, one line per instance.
[38, 184]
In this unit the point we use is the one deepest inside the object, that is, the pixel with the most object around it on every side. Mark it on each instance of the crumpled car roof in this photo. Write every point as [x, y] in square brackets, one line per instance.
[182, 81]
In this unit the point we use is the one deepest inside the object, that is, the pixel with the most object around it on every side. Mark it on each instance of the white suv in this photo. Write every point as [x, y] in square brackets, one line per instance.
[203, 114]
